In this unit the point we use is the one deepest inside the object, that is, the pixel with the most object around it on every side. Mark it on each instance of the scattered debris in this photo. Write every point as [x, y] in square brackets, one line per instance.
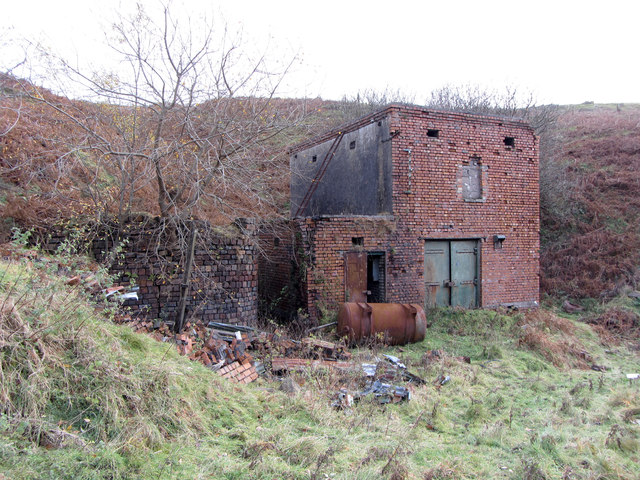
[394, 361]
[381, 382]
[385, 393]
[240, 372]
[370, 369]
[112, 290]
[327, 349]
[228, 348]
[321, 327]
[442, 380]
[342, 400]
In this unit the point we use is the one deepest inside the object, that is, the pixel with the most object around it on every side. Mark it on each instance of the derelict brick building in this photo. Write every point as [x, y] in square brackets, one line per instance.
[419, 206]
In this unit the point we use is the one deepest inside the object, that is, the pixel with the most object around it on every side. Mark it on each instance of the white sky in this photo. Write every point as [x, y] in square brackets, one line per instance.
[565, 51]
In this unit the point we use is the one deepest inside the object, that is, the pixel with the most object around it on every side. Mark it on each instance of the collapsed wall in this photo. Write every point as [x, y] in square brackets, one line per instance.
[223, 286]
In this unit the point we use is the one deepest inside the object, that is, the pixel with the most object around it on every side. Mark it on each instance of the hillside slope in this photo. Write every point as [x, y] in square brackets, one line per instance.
[591, 235]
[591, 207]
[81, 398]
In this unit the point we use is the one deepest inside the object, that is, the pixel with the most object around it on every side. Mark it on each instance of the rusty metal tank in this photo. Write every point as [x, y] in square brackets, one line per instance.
[400, 323]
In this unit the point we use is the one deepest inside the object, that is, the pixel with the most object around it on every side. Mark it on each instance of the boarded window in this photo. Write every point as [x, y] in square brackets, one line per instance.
[472, 180]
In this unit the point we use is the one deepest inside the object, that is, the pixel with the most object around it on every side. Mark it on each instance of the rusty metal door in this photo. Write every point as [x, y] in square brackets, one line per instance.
[355, 276]
[437, 272]
[464, 273]
[450, 273]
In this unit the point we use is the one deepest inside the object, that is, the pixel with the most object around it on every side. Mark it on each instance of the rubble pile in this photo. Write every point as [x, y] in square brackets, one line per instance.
[240, 353]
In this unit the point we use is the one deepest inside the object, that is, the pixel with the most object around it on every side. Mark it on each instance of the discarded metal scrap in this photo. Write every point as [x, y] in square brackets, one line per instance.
[381, 383]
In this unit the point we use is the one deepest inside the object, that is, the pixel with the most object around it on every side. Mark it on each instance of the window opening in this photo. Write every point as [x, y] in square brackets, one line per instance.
[433, 133]
[510, 141]
[357, 241]
[352, 145]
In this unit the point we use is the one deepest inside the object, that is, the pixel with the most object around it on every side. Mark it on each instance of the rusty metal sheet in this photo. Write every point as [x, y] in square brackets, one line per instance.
[355, 276]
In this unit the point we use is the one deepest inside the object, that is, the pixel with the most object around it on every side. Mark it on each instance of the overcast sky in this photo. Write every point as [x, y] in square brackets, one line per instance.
[564, 51]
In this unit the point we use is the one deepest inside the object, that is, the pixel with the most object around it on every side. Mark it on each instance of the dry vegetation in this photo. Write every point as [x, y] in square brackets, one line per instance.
[52, 170]
[591, 243]
[83, 398]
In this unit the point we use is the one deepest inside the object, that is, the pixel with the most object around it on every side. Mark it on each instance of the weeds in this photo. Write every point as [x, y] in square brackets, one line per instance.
[88, 399]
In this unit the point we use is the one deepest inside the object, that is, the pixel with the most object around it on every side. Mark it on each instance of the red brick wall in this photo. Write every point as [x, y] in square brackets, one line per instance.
[224, 279]
[428, 204]
[280, 286]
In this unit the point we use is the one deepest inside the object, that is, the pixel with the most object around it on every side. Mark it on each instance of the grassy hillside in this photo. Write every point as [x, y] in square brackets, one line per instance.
[85, 399]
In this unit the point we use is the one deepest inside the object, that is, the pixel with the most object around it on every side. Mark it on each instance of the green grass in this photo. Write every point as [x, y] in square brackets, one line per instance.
[85, 399]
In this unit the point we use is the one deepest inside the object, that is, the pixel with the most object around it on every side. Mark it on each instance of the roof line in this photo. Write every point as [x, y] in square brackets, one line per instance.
[382, 112]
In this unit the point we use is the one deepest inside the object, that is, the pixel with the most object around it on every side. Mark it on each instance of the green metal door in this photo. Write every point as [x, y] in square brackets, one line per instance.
[451, 273]
[437, 272]
[464, 273]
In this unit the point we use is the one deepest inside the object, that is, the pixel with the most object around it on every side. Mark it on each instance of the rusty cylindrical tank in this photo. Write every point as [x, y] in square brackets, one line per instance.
[400, 323]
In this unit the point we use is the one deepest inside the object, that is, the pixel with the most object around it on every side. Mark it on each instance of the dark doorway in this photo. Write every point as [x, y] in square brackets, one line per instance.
[376, 277]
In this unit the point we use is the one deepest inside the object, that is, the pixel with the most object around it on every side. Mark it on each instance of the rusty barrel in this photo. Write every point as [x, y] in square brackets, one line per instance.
[400, 323]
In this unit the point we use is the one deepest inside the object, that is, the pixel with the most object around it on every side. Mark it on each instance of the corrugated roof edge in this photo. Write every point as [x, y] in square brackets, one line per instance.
[383, 112]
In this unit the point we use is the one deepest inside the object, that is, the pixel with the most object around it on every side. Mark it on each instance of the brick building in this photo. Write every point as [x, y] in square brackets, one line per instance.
[223, 285]
[415, 205]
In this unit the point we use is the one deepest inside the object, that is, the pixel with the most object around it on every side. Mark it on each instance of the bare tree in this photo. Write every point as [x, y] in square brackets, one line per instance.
[187, 119]
[184, 128]
[364, 102]
[9, 113]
